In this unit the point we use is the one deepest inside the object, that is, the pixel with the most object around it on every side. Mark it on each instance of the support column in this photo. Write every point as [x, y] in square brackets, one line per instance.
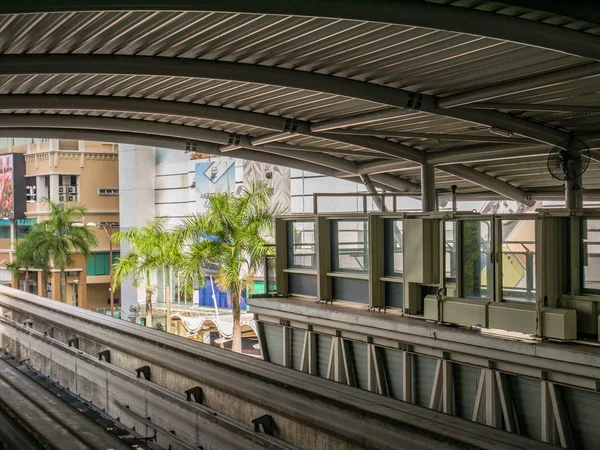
[137, 174]
[574, 184]
[428, 187]
[372, 190]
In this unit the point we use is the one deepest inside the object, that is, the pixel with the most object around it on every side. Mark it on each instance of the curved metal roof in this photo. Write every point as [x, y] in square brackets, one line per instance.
[482, 90]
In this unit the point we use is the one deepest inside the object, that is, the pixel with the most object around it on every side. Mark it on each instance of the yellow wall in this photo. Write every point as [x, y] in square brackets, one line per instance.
[97, 166]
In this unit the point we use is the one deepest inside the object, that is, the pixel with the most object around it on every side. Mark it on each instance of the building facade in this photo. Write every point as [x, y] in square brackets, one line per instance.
[66, 171]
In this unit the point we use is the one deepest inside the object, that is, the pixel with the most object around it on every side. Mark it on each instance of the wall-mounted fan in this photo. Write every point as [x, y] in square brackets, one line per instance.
[568, 160]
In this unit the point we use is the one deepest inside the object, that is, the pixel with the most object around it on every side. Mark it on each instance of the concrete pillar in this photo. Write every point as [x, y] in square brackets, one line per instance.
[428, 198]
[40, 286]
[53, 191]
[137, 173]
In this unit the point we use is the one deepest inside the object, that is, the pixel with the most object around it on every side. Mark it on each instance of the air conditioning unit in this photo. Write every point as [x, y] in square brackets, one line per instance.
[72, 189]
[61, 198]
[61, 189]
[71, 198]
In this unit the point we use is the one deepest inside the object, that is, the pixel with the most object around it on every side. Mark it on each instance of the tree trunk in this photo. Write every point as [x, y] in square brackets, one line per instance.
[26, 280]
[63, 285]
[148, 306]
[168, 301]
[236, 344]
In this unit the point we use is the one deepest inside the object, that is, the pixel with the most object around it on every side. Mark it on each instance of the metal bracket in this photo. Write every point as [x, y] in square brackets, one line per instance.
[266, 422]
[291, 126]
[194, 394]
[234, 139]
[145, 371]
[190, 146]
[104, 354]
[74, 342]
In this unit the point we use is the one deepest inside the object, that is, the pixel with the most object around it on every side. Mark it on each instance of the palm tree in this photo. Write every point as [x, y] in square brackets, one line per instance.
[56, 238]
[230, 235]
[153, 249]
[141, 260]
[28, 255]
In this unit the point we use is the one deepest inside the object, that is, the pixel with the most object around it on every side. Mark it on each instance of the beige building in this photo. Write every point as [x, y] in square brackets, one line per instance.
[68, 171]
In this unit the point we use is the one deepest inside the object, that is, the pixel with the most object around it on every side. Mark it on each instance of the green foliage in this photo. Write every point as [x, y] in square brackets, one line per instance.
[231, 235]
[54, 240]
[57, 238]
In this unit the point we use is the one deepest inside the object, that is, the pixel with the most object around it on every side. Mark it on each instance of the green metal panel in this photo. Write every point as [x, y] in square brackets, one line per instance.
[99, 263]
[361, 369]
[394, 370]
[466, 380]
[584, 417]
[527, 397]
[423, 376]
[323, 352]
[274, 338]
[297, 347]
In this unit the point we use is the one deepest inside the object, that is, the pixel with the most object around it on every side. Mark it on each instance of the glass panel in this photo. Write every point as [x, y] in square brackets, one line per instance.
[350, 245]
[518, 260]
[301, 244]
[591, 255]
[476, 261]
[450, 242]
[398, 246]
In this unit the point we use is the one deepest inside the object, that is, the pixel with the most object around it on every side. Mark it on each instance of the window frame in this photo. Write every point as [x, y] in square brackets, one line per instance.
[334, 245]
[291, 245]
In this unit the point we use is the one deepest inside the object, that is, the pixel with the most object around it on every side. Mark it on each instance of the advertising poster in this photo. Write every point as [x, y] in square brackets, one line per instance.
[212, 177]
[12, 186]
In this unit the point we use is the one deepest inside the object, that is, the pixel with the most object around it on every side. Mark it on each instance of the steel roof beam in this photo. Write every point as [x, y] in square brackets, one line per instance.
[489, 182]
[221, 139]
[522, 85]
[248, 73]
[433, 136]
[407, 12]
[492, 152]
[193, 110]
[535, 107]
[174, 143]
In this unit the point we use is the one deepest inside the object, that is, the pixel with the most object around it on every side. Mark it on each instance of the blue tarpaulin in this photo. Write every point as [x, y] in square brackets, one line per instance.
[205, 297]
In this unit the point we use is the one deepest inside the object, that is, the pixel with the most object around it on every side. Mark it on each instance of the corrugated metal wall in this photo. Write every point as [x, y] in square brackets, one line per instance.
[583, 406]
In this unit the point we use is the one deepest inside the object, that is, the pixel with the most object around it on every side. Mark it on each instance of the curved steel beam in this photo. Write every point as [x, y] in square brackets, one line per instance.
[523, 84]
[407, 12]
[219, 138]
[174, 143]
[186, 132]
[31, 64]
[192, 110]
[489, 182]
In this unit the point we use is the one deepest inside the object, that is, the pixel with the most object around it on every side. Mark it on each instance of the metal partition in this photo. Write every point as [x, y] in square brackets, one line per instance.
[521, 267]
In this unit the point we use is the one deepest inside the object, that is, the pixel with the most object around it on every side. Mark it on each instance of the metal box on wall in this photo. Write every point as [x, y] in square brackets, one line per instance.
[421, 250]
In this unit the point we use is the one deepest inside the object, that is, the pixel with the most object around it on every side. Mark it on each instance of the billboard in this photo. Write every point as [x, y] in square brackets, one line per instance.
[12, 186]
[212, 177]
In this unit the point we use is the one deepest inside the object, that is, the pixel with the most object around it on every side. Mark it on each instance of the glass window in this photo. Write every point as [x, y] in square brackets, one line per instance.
[591, 255]
[393, 252]
[350, 245]
[301, 244]
[476, 258]
[450, 243]
[518, 260]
